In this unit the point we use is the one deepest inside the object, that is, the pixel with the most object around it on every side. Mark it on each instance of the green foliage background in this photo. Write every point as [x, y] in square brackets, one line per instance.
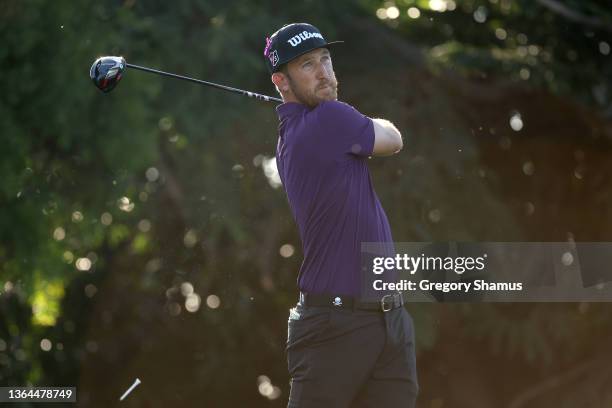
[179, 170]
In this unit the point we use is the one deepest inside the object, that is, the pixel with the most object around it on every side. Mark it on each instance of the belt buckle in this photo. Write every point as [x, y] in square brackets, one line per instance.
[383, 305]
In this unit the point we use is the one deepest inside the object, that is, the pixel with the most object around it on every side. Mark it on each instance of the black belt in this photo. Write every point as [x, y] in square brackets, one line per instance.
[386, 303]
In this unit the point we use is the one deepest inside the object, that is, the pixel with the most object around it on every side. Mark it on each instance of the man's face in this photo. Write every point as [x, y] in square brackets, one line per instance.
[311, 78]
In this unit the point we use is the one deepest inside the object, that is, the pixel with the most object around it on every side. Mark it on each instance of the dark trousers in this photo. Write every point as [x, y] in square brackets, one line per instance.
[340, 358]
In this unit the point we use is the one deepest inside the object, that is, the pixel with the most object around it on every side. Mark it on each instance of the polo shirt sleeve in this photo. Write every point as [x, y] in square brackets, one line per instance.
[346, 131]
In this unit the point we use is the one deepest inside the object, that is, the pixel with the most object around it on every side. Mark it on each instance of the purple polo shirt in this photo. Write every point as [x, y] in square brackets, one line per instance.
[322, 162]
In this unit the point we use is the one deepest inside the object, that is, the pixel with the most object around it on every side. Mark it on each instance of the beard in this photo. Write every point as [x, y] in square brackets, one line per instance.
[324, 91]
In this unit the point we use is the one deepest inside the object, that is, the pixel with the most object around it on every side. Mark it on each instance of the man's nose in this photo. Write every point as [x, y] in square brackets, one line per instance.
[323, 72]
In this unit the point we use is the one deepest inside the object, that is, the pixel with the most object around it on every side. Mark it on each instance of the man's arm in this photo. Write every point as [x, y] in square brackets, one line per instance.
[387, 139]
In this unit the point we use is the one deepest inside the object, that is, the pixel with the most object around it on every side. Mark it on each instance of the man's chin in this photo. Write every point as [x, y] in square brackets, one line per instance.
[327, 94]
[326, 98]
[319, 97]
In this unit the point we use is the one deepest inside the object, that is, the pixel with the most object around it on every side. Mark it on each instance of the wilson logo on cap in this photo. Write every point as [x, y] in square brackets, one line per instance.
[304, 35]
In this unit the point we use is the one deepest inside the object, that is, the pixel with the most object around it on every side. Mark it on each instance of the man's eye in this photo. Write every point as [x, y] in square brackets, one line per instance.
[307, 64]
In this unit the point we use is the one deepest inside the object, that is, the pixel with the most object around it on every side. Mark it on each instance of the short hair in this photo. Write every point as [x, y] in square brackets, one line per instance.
[283, 69]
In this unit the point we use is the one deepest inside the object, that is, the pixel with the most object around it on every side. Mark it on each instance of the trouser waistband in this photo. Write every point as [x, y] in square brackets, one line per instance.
[386, 303]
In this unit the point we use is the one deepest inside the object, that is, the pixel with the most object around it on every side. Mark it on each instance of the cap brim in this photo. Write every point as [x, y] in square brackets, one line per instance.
[334, 43]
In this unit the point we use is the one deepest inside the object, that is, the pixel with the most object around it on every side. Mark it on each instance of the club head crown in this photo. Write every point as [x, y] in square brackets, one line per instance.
[106, 72]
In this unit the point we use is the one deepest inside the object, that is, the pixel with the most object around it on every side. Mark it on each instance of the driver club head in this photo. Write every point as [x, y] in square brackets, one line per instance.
[106, 72]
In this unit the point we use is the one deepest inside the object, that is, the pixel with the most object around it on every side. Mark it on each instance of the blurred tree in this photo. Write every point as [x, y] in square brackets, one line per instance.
[140, 230]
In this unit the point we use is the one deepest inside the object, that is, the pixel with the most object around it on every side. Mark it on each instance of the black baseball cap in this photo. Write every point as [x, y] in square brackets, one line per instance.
[290, 42]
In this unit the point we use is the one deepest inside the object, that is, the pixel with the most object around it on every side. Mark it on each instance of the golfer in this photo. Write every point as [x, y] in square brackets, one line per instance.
[344, 349]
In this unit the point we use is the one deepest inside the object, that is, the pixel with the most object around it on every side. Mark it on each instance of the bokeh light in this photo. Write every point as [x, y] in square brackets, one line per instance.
[286, 250]
[413, 12]
[106, 219]
[59, 234]
[213, 301]
[125, 204]
[186, 288]
[152, 174]
[516, 122]
[45, 345]
[83, 264]
[190, 238]
[192, 302]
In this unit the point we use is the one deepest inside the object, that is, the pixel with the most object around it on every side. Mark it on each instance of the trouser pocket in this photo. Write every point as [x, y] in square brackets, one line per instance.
[398, 361]
[305, 329]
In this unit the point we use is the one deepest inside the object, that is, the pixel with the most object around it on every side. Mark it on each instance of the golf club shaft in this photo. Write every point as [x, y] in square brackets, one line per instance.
[199, 81]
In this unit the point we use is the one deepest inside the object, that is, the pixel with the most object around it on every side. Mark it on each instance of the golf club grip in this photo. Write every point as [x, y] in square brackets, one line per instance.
[199, 81]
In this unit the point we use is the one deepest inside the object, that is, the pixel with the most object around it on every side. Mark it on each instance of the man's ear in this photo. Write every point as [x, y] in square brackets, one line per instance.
[280, 81]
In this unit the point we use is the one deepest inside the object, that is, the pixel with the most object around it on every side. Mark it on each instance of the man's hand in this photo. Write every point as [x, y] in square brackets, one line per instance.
[387, 139]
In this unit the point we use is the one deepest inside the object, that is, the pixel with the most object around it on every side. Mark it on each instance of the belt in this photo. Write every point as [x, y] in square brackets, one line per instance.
[386, 303]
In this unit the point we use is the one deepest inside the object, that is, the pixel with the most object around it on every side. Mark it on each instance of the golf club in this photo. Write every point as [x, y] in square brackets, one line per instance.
[106, 72]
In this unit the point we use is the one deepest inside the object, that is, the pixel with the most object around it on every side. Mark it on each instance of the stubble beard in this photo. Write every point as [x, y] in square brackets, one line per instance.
[311, 99]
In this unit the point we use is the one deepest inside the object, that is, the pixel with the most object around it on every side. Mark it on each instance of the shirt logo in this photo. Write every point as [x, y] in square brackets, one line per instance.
[273, 56]
[337, 301]
[304, 35]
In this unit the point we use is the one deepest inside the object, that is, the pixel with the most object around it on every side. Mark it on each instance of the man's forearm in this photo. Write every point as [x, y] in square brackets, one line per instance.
[392, 137]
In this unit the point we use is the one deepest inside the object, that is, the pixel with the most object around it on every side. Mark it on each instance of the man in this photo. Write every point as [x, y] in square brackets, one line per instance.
[343, 350]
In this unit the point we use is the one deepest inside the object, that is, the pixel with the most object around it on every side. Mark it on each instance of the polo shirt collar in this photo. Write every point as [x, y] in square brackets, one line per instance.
[289, 109]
